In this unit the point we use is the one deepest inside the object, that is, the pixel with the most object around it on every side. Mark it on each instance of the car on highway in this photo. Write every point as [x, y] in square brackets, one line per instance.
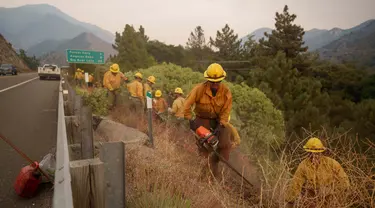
[49, 71]
[8, 69]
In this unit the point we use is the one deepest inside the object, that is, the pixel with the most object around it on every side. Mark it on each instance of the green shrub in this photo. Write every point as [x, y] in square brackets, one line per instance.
[97, 100]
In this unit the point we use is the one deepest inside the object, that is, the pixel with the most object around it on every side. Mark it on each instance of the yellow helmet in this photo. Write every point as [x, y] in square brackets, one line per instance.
[158, 93]
[138, 75]
[178, 91]
[78, 69]
[314, 145]
[151, 79]
[114, 68]
[215, 73]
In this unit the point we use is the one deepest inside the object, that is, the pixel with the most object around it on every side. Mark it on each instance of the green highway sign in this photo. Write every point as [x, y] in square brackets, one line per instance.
[84, 57]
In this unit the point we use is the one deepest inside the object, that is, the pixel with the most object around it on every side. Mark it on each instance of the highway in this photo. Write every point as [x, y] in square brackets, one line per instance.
[28, 117]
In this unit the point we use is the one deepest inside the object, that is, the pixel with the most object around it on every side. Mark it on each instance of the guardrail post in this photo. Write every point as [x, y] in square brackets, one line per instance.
[113, 156]
[87, 136]
[88, 183]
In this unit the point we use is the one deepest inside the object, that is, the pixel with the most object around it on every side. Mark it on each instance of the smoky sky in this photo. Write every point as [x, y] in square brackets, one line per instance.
[171, 21]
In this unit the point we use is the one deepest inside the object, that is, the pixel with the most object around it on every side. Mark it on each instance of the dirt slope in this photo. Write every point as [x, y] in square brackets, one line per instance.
[9, 56]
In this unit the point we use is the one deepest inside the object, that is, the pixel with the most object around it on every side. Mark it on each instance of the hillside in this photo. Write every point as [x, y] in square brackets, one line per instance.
[357, 45]
[8, 55]
[28, 25]
[84, 41]
[316, 38]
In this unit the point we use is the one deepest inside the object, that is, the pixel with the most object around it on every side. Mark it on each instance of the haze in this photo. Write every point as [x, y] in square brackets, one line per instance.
[171, 21]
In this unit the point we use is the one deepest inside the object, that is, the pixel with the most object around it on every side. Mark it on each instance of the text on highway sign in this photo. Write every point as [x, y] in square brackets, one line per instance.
[84, 57]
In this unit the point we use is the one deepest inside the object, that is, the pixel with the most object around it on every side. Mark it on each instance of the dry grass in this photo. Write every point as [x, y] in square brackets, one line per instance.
[170, 174]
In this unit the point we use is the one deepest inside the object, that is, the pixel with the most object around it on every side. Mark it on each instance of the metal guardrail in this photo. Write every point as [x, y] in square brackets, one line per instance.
[62, 196]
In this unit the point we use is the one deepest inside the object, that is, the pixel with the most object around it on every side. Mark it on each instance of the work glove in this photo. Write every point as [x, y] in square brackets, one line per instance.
[169, 110]
[218, 129]
[192, 124]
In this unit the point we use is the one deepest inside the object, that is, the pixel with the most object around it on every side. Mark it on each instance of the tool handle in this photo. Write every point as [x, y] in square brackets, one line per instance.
[23, 155]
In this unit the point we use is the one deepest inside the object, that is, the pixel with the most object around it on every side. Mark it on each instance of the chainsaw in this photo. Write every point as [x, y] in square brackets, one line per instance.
[210, 141]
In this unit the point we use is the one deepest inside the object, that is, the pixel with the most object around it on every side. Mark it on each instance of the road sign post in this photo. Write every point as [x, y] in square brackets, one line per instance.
[149, 112]
[85, 57]
[87, 79]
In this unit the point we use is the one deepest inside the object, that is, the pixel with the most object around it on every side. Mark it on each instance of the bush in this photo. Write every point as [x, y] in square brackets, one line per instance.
[97, 100]
[261, 124]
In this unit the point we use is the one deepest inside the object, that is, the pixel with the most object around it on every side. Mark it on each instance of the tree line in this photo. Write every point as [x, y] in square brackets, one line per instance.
[311, 93]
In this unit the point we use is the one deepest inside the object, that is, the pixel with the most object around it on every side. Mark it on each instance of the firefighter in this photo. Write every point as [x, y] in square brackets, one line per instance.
[160, 106]
[177, 109]
[148, 85]
[78, 76]
[318, 176]
[112, 82]
[136, 97]
[213, 103]
[91, 80]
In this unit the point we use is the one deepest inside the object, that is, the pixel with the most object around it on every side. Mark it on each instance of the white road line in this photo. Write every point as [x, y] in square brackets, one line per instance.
[19, 84]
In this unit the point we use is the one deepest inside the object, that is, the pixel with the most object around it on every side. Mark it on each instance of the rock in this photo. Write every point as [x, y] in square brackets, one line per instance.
[113, 131]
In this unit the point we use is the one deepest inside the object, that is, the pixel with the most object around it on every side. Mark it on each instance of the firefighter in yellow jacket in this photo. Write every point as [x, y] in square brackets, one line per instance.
[78, 77]
[213, 103]
[112, 82]
[136, 97]
[177, 109]
[148, 85]
[318, 177]
[160, 106]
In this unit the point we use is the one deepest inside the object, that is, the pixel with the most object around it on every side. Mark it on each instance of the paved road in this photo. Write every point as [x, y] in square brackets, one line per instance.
[28, 117]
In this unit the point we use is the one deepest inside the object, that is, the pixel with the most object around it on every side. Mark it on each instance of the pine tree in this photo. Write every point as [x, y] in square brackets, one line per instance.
[197, 49]
[227, 44]
[132, 50]
[248, 48]
[287, 37]
[196, 39]
[142, 32]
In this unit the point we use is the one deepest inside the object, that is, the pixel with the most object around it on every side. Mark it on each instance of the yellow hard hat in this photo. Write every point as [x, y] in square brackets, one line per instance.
[178, 90]
[215, 73]
[158, 93]
[78, 69]
[314, 145]
[139, 75]
[151, 79]
[114, 68]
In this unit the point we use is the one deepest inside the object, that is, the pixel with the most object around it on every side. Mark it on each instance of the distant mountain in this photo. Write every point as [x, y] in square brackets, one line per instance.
[28, 25]
[316, 38]
[257, 34]
[44, 47]
[84, 41]
[9, 56]
[356, 45]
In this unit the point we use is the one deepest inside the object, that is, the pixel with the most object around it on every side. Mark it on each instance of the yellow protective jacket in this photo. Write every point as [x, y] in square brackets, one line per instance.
[135, 89]
[112, 81]
[78, 75]
[160, 105]
[178, 107]
[91, 78]
[147, 88]
[207, 106]
[326, 178]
